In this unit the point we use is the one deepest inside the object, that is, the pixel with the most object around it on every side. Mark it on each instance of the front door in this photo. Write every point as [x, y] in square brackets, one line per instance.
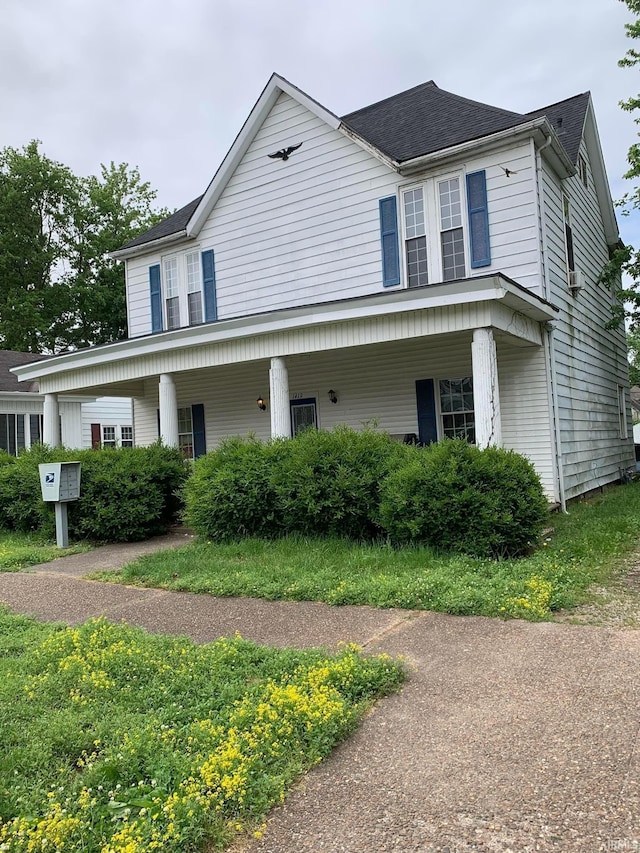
[303, 415]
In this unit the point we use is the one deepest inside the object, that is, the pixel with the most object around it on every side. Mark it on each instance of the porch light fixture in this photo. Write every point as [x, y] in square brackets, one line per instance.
[261, 404]
[333, 396]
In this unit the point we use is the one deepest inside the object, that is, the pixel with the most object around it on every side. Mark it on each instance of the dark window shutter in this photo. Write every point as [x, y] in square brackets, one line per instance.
[156, 298]
[389, 239]
[478, 219]
[197, 425]
[570, 257]
[426, 403]
[96, 437]
[209, 286]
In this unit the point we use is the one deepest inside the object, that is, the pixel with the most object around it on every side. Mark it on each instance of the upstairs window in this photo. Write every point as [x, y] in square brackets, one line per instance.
[178, 293]
[415, 237]
[568, 233]
[451, 234]
[434, 232]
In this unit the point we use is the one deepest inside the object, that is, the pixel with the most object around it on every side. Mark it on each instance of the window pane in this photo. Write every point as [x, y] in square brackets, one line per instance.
[417, 262]
[195, 307]
[173, 313]
[450, 204]
[193, 272]
[170, 277]
[413, 213]
[4, 432]
[453, 265]
[36, 429]
[20, 432]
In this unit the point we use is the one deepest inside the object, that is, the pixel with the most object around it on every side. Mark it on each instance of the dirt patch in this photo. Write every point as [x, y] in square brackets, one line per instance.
[613, 606]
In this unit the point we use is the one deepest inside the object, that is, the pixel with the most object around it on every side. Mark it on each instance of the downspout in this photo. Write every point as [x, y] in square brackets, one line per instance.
[548, 331]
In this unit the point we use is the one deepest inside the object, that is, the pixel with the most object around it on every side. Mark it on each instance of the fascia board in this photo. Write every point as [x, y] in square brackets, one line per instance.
[151, 246]
[481, 289]
[487, 143]
[272, 91]
[599, 172]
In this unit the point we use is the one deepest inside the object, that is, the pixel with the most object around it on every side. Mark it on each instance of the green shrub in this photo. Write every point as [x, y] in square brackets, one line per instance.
[455, 497]
[328, 483]
[231, 492]
[318, 483]
[126, 494]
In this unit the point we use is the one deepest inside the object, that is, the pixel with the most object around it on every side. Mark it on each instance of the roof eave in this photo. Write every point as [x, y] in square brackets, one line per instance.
[144, 248]
[538, 126]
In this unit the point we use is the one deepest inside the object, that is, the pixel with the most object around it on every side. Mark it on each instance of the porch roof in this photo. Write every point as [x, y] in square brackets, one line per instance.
[493, 300]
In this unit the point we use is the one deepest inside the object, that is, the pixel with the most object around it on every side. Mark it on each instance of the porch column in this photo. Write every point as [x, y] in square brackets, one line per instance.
[279, 399]
[51, 421]
[168, 410]
[486, 394]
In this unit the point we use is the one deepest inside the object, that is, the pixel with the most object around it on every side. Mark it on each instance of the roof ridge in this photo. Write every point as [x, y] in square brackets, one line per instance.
[562, 101]
[430, 83]
[475, 103]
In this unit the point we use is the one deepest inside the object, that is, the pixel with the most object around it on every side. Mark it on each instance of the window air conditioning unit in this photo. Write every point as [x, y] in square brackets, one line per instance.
[576, 282]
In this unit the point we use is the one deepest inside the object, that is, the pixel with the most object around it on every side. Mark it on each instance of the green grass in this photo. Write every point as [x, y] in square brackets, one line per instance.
[581, 549]
[20, 550]
[117, 741]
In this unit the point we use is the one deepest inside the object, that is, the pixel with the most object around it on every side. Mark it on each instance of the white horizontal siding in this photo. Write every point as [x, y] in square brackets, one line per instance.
[307, 231]
[374, 384]
[106, 411]
[590, 359]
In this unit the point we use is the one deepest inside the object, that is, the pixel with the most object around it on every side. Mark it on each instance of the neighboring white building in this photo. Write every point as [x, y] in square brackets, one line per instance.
[427, 263]
[84, 421]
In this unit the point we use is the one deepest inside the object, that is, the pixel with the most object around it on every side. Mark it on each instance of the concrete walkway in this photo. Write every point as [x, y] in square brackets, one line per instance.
[508, 736]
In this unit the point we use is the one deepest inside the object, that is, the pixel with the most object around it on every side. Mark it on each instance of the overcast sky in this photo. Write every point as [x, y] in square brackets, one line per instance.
[166, 85]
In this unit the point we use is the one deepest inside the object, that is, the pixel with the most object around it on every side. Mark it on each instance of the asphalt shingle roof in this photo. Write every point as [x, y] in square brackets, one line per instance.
[171, 225]
[9, 359]
[421, 121]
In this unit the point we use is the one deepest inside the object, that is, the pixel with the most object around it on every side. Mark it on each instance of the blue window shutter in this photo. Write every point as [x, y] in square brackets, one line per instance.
[478, 219]
[197, 425]
[209, 286]
[156, 298]
[389, 238]
[426, 403]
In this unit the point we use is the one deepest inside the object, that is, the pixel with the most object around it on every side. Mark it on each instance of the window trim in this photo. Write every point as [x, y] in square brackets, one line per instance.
[123, 439]
[623, 428]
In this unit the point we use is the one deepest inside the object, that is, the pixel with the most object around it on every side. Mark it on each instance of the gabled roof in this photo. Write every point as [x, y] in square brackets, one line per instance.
[567, 119]
[9, 359]
[404, 127]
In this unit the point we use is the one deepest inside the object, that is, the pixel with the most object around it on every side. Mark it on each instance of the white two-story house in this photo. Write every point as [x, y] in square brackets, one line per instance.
[428, 264]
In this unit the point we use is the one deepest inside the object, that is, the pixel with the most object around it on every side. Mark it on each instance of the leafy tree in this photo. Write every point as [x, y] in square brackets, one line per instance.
[633, 346]
[626, 259]
[59, 289]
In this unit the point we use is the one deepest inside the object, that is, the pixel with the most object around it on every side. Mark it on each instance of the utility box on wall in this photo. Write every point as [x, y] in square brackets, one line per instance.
[60, 481]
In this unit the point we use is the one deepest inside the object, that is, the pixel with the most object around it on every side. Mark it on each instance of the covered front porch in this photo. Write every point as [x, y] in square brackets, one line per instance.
[467, 359]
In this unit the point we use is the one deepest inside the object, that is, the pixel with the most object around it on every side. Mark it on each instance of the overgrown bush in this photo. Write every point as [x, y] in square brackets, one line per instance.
[328, 483]
[126, 494]
[231, 493]
[455, 497]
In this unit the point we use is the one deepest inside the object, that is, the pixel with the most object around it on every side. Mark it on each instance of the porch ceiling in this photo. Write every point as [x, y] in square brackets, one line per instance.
[118, 368]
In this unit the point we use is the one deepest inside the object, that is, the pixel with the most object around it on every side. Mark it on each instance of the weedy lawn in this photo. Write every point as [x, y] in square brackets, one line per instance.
[20, 550]
[117, 741]
[580, 549]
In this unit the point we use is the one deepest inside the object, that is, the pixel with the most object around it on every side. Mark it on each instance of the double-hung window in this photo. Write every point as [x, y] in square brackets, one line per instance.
[109, 436]
[182, 290]
[456, 409]
[434, 231]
